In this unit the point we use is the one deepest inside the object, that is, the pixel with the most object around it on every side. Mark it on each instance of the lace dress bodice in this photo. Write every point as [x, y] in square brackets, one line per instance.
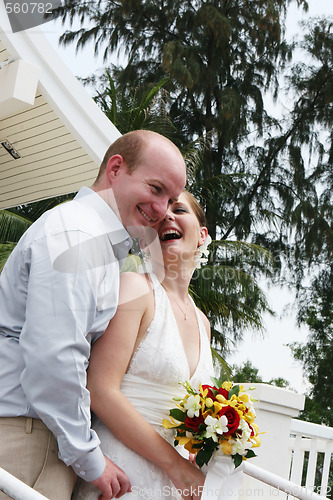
[160, 356]
[154, 377]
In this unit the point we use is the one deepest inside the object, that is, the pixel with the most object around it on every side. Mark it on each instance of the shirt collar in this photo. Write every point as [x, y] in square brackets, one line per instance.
[114, 229]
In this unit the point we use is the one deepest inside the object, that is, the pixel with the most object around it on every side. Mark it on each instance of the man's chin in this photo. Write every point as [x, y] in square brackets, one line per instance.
[147, 232]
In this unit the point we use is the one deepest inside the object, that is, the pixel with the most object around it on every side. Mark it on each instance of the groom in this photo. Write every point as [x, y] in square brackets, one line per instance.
[58, 291]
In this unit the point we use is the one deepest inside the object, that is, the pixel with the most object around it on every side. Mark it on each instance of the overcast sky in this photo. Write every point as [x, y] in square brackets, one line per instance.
[269, 354]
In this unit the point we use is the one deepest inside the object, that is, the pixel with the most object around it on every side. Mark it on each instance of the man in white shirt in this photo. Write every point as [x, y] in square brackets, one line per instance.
[58, 291]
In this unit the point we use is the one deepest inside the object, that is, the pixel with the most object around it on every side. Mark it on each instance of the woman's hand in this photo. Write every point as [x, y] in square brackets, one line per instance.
[187, 478]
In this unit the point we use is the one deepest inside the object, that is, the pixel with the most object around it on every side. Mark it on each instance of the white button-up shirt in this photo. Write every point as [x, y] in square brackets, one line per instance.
[58, 291]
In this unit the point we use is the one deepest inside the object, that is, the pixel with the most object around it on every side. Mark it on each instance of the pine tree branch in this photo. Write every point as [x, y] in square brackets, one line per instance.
[274, 151]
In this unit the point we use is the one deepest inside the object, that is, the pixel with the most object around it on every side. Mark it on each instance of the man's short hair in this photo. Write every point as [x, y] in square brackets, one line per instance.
[130, 146]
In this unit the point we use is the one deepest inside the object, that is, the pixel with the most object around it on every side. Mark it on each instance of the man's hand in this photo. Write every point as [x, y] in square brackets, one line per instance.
[113, 482]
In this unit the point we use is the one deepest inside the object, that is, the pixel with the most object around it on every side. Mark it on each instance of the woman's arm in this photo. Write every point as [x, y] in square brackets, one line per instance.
[109, 361]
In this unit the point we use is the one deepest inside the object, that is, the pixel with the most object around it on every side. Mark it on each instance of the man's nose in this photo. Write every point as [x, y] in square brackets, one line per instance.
[161, 208]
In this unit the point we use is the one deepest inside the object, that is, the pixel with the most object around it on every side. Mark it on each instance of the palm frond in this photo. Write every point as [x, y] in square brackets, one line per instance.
[5, 251]
[12, 226]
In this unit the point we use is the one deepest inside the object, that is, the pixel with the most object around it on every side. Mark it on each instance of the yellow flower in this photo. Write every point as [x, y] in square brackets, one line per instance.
[249, 417]
[182, 440]
[209, 402]
[217, 407]
[244, 398]
[226, 447]
[221, 398]
[257, 441]
[241, 409]
[227, 386]
[203, 392]
[189, 446]
[169, 425]
[255, 428]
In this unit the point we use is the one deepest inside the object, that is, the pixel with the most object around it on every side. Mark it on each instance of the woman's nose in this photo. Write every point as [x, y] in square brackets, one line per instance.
[168, 216]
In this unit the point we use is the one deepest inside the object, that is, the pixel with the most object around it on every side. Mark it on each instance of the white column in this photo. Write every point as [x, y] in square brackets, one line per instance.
[275, 407]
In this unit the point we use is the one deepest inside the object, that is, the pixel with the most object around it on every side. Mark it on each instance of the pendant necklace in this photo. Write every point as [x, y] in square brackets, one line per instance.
[174, 298]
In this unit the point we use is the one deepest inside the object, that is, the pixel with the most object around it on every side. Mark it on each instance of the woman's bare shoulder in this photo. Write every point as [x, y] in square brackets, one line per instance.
[134, 286]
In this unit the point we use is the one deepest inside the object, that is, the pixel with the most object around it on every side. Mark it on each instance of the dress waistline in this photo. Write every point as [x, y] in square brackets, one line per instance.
[152, 400]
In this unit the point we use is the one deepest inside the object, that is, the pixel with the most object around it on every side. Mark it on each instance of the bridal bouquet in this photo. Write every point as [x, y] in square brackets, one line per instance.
[218, 417]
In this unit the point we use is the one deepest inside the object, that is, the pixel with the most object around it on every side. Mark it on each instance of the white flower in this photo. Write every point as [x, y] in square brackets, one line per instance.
[243, 443]
[238, 446]
[215, 426]
[202, 250]
[246, 432]
[193, 406]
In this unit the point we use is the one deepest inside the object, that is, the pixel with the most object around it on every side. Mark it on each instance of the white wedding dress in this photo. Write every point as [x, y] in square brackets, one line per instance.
[152, 380]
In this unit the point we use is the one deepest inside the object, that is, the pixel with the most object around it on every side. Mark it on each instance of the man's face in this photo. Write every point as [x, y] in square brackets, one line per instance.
[143, 196]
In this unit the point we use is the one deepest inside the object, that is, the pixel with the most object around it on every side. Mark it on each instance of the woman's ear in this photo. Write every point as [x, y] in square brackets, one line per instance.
[203, 236]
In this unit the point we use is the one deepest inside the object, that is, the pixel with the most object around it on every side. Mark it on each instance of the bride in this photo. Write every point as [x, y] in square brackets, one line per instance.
[157, 340]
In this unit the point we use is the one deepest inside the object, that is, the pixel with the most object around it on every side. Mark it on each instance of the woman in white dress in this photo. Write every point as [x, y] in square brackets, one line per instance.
[157, 340]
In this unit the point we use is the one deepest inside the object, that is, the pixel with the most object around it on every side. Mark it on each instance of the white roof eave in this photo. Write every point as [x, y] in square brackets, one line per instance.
[64, 93]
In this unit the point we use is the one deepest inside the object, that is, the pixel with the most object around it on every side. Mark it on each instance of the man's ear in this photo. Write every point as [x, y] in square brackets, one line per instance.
[113, 166]
[203, 235]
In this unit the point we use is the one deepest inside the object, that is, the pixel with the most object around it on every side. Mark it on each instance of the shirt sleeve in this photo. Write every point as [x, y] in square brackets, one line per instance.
[55, 342]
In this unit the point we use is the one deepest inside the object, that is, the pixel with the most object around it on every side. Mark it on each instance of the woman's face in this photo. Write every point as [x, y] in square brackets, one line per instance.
[180, 232]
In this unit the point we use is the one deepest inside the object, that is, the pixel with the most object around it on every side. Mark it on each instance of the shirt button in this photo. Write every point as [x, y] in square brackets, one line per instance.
[77, 466]
[82, 473]
[127, 243]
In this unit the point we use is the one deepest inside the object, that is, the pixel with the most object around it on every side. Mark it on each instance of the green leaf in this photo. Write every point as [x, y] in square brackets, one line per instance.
[203, 457]
[234, 390]
[217, 383]
[250, 454]
[238, 459]
[178, 414]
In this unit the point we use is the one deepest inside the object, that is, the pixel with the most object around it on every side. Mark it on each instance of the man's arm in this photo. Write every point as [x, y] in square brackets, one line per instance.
[61, 310]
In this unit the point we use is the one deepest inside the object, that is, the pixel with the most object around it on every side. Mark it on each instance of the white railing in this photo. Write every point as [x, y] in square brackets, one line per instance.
[20, 491]
[279, 483]
[284, 456]
[17, 490]
[311, 448]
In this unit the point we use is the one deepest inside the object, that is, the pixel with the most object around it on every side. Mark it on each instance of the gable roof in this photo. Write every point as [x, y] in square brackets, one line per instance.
[61, 135]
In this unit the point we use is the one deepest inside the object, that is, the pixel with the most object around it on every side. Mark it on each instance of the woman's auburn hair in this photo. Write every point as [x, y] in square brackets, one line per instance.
[197, 208]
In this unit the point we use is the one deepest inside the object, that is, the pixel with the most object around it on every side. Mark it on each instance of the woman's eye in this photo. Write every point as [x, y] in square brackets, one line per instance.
[157, 189]
[180, 209]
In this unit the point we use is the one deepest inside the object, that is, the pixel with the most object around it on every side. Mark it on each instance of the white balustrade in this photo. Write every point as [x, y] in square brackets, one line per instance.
[313, 439]
[17, 490]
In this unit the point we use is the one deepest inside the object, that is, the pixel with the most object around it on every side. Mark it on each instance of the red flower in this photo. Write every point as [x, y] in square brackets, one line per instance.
[223, 392]
[193, 423]
[232, 417]
[219, 390]
[210, 392]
